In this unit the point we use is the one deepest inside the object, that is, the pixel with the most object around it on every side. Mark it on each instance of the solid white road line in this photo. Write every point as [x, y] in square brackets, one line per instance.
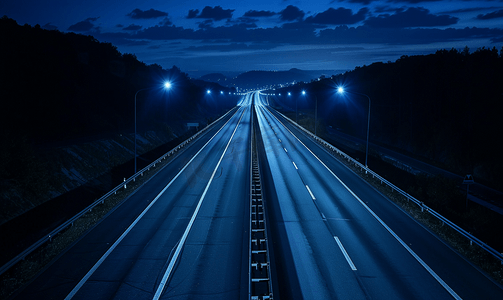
[171, 265]
[346, 255]
[295, 165]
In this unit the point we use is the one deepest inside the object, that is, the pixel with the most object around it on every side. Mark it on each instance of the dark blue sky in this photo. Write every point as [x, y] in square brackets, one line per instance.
[209, 36]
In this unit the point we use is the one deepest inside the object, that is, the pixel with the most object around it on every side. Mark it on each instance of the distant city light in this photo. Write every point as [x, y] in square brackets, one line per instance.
[303, 92]
[208, 92]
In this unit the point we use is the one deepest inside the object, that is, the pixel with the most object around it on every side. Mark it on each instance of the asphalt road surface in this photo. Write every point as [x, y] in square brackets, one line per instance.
[185, 233]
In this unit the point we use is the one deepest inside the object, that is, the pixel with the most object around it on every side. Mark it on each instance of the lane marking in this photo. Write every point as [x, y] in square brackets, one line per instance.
[346, 255]
[102, 259]
[310, 193]
[171, 265]
[425, 266]
[285, 150]
[295, 165]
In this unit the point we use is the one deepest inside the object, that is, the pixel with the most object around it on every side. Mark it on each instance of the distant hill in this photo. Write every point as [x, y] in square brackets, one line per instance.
[260, 79]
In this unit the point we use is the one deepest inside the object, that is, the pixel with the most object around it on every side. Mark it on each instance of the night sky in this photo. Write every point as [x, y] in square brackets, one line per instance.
[234, 36]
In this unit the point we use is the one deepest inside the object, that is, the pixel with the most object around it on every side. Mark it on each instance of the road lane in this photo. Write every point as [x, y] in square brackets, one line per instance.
[322, 272]
[216, 251]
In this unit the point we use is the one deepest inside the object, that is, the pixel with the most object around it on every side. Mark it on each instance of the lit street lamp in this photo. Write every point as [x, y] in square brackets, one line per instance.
[341, 91]
[167, 85]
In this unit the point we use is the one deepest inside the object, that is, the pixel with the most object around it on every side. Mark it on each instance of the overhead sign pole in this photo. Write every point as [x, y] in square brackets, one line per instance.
[468, 180]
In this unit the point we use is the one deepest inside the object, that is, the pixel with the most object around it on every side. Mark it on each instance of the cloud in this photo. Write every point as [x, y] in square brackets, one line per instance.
[364, 2]
[231, 47]
[166, 22]
[206, 24]
[338, 16]
[414, 1]
[49, 26]
[83, 26]
[494, 15]
[132, 27]
[412, 17]
[147, 14]
[403, 36]
[291, 13]
[259, 14]
[193, 13]
[216, 13]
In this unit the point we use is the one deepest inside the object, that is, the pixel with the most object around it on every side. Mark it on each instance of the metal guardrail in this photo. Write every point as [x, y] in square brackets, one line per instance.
[101, 200]
[423, 207]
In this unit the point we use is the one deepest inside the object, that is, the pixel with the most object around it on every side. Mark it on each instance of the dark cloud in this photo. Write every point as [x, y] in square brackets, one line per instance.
[241, 32]
[83, 26]
[464, 10]
[338, 16]
[494, 15]
[403, 36]
[49, 26]
[216, 13]
[147, 14]
[365, 2]
[166, 22]
[248, 22]
[232, 47]
[132, 27]
[258, 14]
[291, 13]
[206, 24]
[193, 13]
[412, 17]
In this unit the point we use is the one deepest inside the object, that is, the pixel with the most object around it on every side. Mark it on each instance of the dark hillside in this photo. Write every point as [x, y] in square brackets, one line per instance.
[445, 107]
[67, 111]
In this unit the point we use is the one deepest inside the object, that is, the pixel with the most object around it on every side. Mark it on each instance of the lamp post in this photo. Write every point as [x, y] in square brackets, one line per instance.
[167, 85]
[340, 90]
[315, 112]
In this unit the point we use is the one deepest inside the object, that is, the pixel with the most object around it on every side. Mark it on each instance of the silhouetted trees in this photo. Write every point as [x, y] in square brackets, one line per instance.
[445, 106]
[58, 86]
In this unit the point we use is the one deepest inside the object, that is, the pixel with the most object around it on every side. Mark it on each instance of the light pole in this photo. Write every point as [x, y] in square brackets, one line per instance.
[167, 85]
[315, 112]
[341, 91]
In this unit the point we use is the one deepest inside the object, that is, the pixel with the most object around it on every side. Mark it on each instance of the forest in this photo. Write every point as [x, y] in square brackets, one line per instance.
[59, 89]
[444, 107]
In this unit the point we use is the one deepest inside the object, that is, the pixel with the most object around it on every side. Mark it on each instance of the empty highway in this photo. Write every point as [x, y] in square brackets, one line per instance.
[185, 234]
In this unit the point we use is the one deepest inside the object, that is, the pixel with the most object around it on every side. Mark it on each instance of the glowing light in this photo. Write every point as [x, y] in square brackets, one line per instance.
[167, 85]
[340, 90]
[208, 92]
[303, 92]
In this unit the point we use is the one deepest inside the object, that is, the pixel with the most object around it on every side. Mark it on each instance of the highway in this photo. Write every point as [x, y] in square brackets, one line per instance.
[185, 234]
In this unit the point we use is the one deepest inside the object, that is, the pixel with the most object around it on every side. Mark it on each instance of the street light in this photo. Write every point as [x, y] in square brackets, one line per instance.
[167, 85]
[341, 91]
